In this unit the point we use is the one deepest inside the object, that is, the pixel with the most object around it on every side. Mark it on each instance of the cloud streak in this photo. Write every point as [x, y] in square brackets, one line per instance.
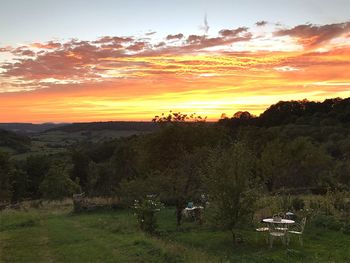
[128, 77]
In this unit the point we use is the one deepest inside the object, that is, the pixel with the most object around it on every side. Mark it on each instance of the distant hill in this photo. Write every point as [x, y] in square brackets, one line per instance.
[110, 125]
[28, 128]
[330, 112]
[12, 142]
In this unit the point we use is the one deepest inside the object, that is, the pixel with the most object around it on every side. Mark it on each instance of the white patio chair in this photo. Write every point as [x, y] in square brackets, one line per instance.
[277, 232]
[298, 229]
[263, 229]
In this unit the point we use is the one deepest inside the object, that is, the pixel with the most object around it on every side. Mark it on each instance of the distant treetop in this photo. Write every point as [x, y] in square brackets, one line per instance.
[174, 117]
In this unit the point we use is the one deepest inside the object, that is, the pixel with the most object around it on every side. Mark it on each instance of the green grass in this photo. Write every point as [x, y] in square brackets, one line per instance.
[56, 235]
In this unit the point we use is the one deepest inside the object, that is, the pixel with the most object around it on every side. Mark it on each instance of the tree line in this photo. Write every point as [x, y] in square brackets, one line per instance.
[298, 146]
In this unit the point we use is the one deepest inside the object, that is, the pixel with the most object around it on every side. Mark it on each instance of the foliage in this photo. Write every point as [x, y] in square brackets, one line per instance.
[80, 168]
[346, 228]
[183, 182]
[36, 167]
[5, 174]
[298, 203]
[328, 222]
[300, 146]
[178, 117]
[298, 163]
[57, 185]
[145, 212]
[231, 185]
[100, 180]
[284, 201]
[19, 185]
[18, 143]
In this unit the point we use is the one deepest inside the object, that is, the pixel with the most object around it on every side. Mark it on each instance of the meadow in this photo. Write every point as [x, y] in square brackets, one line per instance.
[53, 233]
[292, 158]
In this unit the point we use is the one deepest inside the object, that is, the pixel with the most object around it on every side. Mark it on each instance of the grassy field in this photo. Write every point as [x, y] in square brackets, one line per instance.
[55, 142]
[56, 235]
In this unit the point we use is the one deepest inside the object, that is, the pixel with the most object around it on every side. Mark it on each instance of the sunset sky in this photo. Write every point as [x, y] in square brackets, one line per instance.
[72, 61]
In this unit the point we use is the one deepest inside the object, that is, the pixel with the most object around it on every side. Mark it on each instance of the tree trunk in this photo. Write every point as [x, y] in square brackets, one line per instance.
[178, 213]
[234, 240]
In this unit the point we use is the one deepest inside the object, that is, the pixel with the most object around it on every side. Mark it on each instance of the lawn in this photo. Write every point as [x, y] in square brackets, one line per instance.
[57, 235]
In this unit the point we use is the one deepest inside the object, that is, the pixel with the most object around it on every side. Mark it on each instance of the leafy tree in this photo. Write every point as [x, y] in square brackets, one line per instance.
[124, 161]
[19, 182]
[80, 169]
[183, 182]
[57, 184]
[176, 185]
[231, 185]
[299, 163]
[177, 136]
[177, 117]
[36, 167]
[5, 175]
[273, 164]
[101, 180]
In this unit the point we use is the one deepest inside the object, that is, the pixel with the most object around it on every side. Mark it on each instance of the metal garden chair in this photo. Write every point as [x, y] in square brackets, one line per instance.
[298, 229]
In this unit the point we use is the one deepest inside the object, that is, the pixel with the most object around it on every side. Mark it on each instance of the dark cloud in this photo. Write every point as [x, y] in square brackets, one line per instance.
[137, 46]
[261, 23]
[85, 60]
[173, 37]
[115, 40]
[195, 39]
[232, 32]
[312, 35]
[160, 44]
[79, 59]
[150, 33]
[23, 51]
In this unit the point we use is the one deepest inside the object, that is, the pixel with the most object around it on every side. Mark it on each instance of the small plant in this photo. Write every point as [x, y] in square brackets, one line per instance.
[328, 222]
[328, 203]
[298, 203]
[346, 228]
[283, 201]
[145, 212]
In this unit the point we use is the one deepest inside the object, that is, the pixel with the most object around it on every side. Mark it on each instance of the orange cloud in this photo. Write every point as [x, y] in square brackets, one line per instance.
[126, 78]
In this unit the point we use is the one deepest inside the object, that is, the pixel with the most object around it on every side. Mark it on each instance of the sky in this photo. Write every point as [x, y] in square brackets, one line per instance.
[74, 61]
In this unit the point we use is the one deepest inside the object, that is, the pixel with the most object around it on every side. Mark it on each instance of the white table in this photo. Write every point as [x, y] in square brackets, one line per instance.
[193, 208]
[282, 221]
[280, 224]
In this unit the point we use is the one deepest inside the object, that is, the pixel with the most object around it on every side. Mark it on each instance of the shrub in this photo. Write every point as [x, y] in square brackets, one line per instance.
[328, 222]
[298, 203]
[145, 212]
[57, 185]
[346, 228]
[327, 204]
[232, 187]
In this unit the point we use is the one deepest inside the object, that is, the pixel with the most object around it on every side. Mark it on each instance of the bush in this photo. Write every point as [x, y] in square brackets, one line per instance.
[328, 222]
[346, 228]
[145, 212]
[57, 185]
[298, 203]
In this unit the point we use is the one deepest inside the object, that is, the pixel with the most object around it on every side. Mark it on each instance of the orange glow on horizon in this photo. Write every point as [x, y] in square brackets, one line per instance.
[96, 82]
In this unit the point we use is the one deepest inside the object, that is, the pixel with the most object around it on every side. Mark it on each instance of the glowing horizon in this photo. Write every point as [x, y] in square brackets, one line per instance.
[135, 78]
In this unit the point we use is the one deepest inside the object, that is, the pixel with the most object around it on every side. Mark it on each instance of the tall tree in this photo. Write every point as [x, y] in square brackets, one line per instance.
[5, 175]
[36, 167]
[231, 185]
[57, 184]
